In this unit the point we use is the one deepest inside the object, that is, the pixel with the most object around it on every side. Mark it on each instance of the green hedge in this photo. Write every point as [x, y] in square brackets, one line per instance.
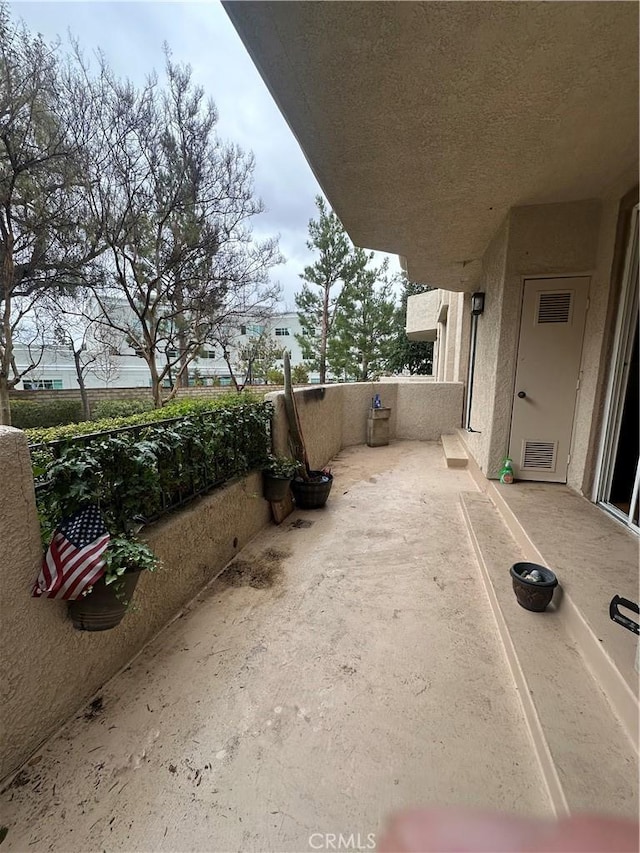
[26, 414]
[119, 408]
[136, 475]
[171, 410]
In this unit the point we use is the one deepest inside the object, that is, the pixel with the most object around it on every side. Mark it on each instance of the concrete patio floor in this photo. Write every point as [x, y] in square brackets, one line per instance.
[346, 665]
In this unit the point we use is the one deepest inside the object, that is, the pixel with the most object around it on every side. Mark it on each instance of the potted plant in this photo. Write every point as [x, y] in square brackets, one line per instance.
[312, 492]
[533, 585]
[103, 606]
[310, 487]
[277, 474]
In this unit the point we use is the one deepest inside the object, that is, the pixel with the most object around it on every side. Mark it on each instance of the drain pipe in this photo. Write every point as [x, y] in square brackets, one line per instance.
[477, 307]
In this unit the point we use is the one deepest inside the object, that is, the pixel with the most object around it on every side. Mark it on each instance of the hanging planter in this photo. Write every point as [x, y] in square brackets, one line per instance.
[274, 488]
[106, 604]
[276, 477]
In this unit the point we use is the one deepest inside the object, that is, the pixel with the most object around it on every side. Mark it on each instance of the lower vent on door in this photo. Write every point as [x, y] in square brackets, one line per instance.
[539, 455]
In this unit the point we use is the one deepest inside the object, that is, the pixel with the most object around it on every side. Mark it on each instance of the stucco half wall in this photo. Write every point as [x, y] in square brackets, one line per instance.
[47, 668]
[335, 416]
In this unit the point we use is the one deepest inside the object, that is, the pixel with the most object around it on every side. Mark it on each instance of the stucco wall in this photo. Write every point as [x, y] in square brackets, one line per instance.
[320, 411]
[539, 240]
[452, 328]
[47, 668]
[489, 323]
[422, 315]
[462, 335]
[420, 410]
[356, 404]
[427, 410]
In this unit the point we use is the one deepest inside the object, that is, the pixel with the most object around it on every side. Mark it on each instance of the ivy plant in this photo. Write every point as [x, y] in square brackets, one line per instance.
[137, 473]
[281, 466]
[127, 555]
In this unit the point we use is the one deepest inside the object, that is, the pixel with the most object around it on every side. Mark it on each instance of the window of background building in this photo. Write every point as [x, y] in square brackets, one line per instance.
[42, 384]
[251, 329]
[283, 332]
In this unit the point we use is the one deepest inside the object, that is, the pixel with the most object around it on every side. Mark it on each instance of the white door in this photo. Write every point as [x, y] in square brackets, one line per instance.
[547, 374]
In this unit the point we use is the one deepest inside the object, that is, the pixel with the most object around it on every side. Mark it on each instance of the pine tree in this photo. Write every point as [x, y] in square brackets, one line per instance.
[363, 334]
[324, 280]
[414, 356]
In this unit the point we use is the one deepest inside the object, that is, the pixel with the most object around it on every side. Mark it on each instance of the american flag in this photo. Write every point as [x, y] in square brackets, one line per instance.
[74, 560]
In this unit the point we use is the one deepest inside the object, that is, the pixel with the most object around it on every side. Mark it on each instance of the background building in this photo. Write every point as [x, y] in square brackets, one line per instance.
[120, 367]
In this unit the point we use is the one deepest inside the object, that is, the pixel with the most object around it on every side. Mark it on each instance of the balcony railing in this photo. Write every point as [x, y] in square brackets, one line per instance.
[137, 474]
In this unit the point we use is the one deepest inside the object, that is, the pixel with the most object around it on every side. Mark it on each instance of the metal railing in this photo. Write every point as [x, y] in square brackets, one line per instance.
[158, 466]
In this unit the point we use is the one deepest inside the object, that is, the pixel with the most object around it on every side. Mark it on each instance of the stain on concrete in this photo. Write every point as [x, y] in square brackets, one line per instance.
[300, 524]
[261, 571]
[95, 708]
[231, 749]
[20, 780]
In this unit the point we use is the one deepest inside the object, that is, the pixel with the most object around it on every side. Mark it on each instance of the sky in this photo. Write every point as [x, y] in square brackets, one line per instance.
[131, 35]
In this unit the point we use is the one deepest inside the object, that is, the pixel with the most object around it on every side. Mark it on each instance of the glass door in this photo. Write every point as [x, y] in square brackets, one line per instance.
[619, 482]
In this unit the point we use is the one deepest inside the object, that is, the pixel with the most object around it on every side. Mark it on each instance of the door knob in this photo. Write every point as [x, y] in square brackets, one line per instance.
[522, 394]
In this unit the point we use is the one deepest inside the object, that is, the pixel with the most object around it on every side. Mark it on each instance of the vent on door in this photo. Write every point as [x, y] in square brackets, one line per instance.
[539, 455]
[554, 307]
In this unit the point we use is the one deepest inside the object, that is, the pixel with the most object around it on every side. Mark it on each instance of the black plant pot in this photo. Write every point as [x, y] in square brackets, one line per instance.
[275, 488]
[533, 595]
[104, 607]
[312, 494]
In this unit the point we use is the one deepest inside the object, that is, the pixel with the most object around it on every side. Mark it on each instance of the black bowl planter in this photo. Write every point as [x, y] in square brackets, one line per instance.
[312, 494]
[533, 595]
[275, 488]
[105, 606]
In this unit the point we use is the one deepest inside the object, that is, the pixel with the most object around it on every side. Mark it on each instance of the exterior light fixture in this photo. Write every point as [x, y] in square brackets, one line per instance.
[477, 304]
